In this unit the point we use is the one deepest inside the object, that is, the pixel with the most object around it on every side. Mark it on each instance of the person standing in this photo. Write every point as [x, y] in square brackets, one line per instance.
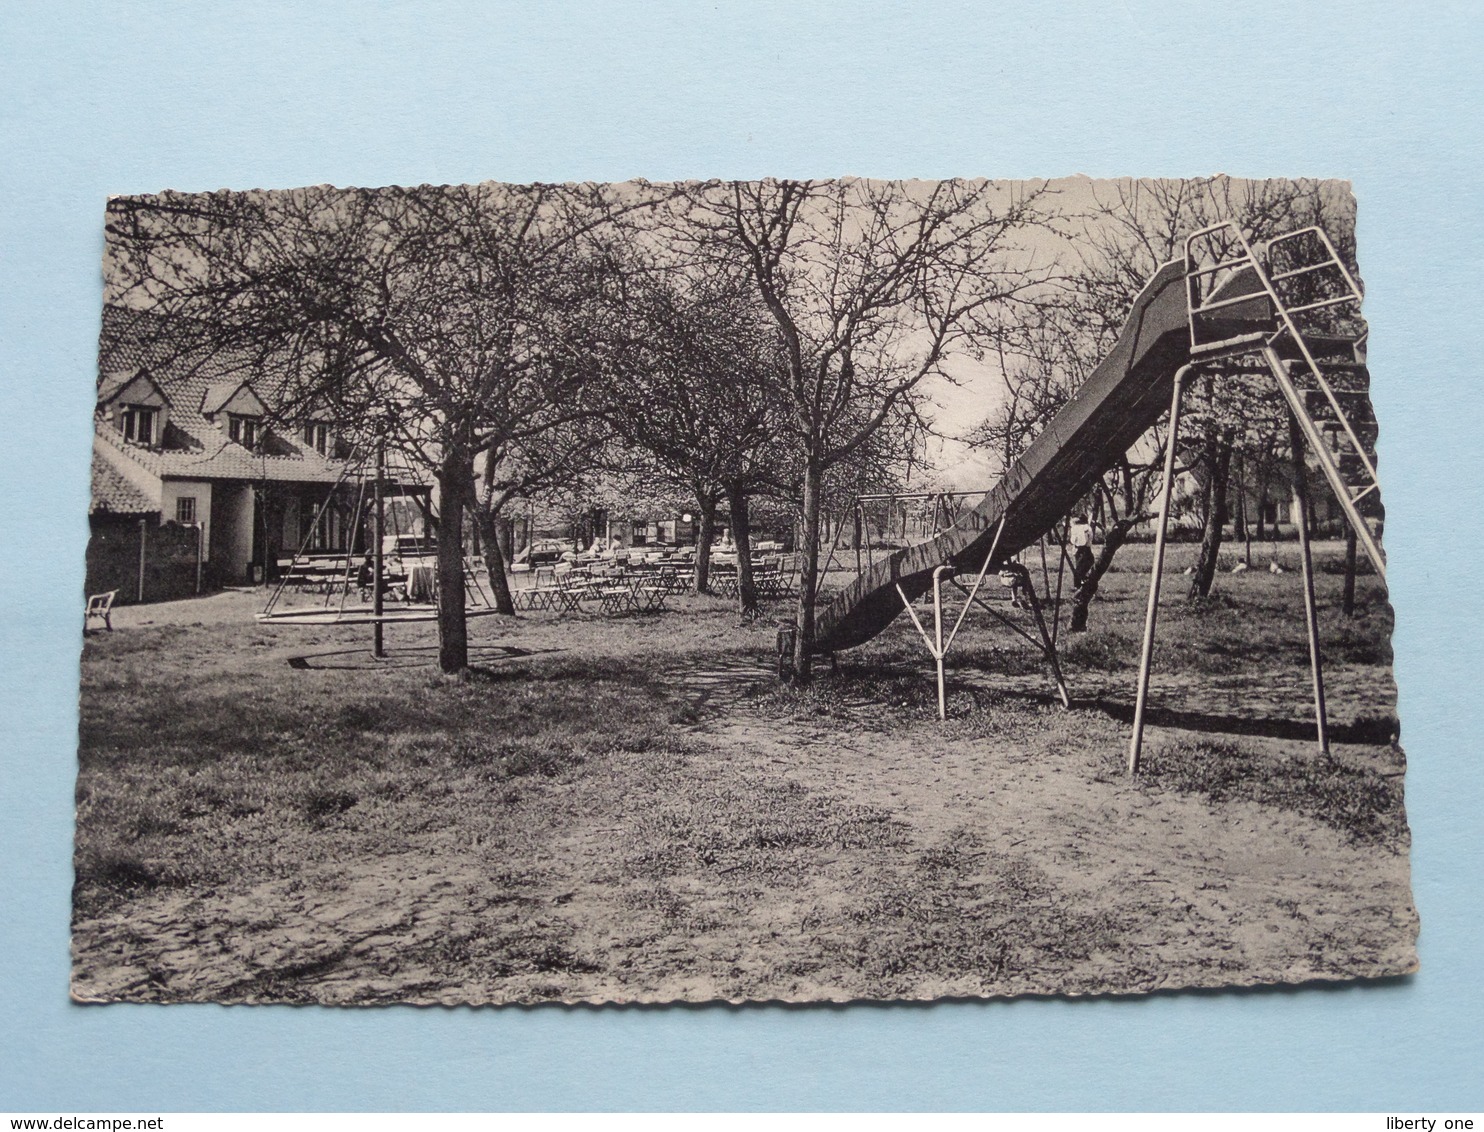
[1079, 536]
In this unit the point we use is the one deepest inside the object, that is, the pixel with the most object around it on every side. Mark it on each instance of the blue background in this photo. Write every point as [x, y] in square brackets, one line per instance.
[131, 97]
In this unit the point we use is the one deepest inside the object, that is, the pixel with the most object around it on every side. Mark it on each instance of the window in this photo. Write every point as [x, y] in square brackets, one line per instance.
[328, 530]
[185, 510]
[138, 424]
[317, 436]
[244, 430]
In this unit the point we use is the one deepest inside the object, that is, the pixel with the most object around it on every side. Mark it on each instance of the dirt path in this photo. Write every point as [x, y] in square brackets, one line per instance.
[795, 863]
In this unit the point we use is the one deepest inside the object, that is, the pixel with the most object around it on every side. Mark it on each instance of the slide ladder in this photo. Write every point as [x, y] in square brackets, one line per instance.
[1316, 352]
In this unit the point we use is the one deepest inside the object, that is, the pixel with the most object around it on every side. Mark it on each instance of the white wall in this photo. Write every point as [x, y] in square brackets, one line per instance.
[171, 490]
[232, 518]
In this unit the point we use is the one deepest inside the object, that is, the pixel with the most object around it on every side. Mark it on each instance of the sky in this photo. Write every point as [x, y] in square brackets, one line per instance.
[978, 387]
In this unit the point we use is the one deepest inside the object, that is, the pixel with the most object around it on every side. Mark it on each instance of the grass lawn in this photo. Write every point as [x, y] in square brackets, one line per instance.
[629, 809]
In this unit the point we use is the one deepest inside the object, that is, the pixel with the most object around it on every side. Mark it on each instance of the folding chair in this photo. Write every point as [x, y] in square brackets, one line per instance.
[650, 599]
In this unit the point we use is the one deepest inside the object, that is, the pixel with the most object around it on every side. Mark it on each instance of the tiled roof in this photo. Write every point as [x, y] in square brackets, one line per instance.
[114, 495]
[185, 371]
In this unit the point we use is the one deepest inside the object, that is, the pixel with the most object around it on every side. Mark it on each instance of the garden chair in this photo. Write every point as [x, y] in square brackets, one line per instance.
[619, 596]
[650, 598]
[724, 579]
[101, 607]
[536, 597]
[766, 579]
[571, 587]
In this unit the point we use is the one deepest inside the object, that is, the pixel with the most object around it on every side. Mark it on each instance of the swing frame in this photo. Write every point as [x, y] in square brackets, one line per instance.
[376, 614]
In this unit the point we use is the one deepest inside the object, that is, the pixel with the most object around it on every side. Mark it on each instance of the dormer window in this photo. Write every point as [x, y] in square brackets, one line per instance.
[244, 430]
[233, 407]
[136, 405]
[317, 436]
[137, 423]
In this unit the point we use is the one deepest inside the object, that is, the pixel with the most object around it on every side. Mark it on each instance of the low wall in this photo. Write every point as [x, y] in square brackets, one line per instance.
[169, 562]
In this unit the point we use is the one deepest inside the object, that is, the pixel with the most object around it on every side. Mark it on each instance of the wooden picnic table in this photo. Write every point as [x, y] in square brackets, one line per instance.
[316, 574]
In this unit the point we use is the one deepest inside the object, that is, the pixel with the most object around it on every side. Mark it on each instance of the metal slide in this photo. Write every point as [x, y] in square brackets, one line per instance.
[1124, 397]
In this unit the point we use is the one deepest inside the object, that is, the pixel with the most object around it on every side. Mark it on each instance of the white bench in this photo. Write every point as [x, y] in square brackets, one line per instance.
[101, 607]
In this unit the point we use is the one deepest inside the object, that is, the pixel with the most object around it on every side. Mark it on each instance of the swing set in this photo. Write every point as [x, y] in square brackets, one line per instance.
[371, 576]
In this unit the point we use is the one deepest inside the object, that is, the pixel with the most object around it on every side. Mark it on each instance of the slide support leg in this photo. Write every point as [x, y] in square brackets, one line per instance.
[1156, 571]
[1047, 644]
[937, 647]
[939, 652]
[378, 602]
[1306, 557]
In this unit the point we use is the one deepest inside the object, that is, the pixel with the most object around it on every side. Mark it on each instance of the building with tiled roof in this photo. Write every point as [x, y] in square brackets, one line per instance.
[184, 434]
[113, 495]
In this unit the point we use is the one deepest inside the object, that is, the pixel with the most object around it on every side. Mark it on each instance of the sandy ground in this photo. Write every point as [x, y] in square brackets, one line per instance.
[768, 856]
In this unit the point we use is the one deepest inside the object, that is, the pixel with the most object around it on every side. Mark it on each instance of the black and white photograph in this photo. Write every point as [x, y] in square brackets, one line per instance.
[769, 590]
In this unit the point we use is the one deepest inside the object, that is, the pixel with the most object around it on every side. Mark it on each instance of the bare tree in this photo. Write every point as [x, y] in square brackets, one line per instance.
[872, 285]
[693, 380]
[560, 452]
[1044, 358]
[1135, 226]
[439, 313]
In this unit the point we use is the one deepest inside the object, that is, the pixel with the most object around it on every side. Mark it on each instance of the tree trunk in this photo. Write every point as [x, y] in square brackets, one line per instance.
[855, 540]
[507, 540]
[1347, 596]
[488, 528]
[1082, 596]
[500, 578]
[1241, 531]
[1219, 455]
[746, 587]
[808, 574]
[1262, 502]
[455, 482]
[706, 508]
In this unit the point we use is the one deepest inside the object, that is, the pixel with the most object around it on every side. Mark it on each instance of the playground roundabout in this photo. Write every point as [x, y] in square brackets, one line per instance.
[363, 615]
